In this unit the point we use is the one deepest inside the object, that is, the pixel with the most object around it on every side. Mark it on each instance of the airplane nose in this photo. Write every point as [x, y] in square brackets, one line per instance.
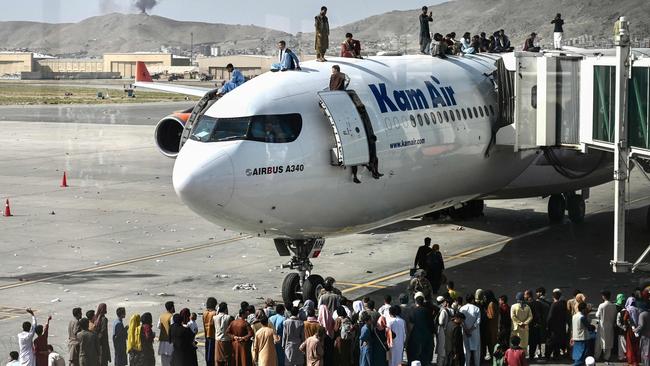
[203, 178]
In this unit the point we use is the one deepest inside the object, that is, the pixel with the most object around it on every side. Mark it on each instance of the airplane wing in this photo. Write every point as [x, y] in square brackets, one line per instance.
[143, 80]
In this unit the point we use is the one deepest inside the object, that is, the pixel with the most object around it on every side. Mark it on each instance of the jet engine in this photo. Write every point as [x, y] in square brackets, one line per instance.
[168, 134]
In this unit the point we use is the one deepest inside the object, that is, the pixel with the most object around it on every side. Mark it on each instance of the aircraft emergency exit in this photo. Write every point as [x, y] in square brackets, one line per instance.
[275, 156]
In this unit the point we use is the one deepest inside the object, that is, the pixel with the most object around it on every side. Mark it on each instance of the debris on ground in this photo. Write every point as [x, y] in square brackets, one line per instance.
[55, 300]
[342, 253]
[244, 287]
[222, 276]
[459, 228]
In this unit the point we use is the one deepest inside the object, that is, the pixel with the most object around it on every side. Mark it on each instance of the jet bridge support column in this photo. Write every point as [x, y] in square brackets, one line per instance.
[621, 149]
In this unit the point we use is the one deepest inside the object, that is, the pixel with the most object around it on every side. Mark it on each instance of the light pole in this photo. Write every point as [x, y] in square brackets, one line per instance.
[191, 46]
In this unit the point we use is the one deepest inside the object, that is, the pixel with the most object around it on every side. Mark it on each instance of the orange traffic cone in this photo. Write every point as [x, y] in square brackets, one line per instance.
[7, 208]
[64, 181]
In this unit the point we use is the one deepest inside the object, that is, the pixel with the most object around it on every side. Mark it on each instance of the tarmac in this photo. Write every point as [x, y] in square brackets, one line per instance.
[118, 234]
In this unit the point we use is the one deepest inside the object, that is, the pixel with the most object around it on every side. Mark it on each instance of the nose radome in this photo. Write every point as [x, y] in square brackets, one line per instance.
[203, 178]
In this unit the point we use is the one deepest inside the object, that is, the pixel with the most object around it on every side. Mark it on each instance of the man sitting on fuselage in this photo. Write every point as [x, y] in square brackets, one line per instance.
[287, 59]
[236, 79]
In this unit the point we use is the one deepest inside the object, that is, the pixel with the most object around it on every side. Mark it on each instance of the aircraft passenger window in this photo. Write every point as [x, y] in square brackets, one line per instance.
[426, 119]
[277, 128]
[457, 115]
[451, 114]
[405, 122]
[420, 121]
[433, 118]
[446, 116]
[475, 112]
[469, 113]
[395, 122]
[480, 110]
[439, 117]
[487, 112]
[491, 110]
[413, 123]
[387, 123]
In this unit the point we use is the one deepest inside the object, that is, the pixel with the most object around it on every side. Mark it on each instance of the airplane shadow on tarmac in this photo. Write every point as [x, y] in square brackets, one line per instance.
[567, 256]
[76, 277]
[499, 221]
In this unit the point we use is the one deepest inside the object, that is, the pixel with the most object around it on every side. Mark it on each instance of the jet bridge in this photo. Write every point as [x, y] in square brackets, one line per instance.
[571, 100]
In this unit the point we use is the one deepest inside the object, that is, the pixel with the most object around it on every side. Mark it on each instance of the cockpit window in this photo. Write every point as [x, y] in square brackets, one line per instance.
[279, 128]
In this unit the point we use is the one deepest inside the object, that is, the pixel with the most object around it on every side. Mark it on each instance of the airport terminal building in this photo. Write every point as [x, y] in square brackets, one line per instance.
[28, 65]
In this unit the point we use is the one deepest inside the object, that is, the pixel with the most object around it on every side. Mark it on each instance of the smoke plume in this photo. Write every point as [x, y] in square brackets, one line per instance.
[144, 5]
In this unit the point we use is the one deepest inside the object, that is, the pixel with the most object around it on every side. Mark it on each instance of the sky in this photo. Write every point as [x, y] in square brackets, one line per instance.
[287, 15]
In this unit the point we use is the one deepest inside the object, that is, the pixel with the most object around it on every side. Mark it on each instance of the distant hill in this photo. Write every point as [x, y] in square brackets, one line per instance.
[129, 33]
[588, 23]
[588, 19]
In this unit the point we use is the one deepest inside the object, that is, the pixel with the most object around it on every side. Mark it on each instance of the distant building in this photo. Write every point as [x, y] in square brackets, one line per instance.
[113, 65]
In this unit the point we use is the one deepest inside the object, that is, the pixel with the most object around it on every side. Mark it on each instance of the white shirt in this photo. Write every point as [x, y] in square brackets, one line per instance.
[26, 346]
[472, 323]
[383, 310]
[55, 359]
[193, 327]
[13, 363]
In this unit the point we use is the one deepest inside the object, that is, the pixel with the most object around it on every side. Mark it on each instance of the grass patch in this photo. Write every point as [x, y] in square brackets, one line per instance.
[32, 94]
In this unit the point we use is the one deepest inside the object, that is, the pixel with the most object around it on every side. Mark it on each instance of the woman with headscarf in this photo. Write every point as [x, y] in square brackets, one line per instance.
[309, 304]
[629, 322]
[147, 356]
[580, 298]
[326, 321]
[521, 316]
[182, 338]
[491, 323]
[134, 341]
[619, 329]
[357, 309]
[101, 329]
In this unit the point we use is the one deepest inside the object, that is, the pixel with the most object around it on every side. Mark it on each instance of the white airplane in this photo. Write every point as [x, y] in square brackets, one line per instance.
[275, 156]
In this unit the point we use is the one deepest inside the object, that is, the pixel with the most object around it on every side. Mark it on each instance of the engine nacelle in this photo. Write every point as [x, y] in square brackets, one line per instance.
[168, 134]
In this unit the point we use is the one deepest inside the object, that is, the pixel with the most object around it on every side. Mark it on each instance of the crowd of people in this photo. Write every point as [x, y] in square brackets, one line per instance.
[425, 325]
[497, 42]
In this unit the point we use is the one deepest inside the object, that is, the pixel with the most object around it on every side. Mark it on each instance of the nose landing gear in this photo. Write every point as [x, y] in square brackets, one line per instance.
[303, 285]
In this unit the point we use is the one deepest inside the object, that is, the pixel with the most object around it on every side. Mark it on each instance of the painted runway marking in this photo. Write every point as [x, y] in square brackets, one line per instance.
[127, 261]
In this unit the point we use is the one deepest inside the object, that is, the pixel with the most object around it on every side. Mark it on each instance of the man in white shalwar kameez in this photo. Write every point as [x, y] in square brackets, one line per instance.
[444, 317]
[397, 325]
[471, 332]
[26, 355]
[606, 316]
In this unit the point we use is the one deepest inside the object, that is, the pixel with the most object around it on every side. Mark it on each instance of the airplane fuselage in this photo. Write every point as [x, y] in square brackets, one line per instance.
[433, 120]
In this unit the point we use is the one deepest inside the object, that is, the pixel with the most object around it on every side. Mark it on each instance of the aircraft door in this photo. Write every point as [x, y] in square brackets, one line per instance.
[350, 130]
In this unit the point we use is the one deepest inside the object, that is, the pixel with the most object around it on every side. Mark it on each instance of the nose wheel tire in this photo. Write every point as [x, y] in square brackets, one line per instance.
[556, 208]
[576, 208]
[311, 287]
[291, 288]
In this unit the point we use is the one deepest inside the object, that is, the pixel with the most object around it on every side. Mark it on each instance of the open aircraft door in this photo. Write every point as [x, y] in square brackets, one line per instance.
[350, 130]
